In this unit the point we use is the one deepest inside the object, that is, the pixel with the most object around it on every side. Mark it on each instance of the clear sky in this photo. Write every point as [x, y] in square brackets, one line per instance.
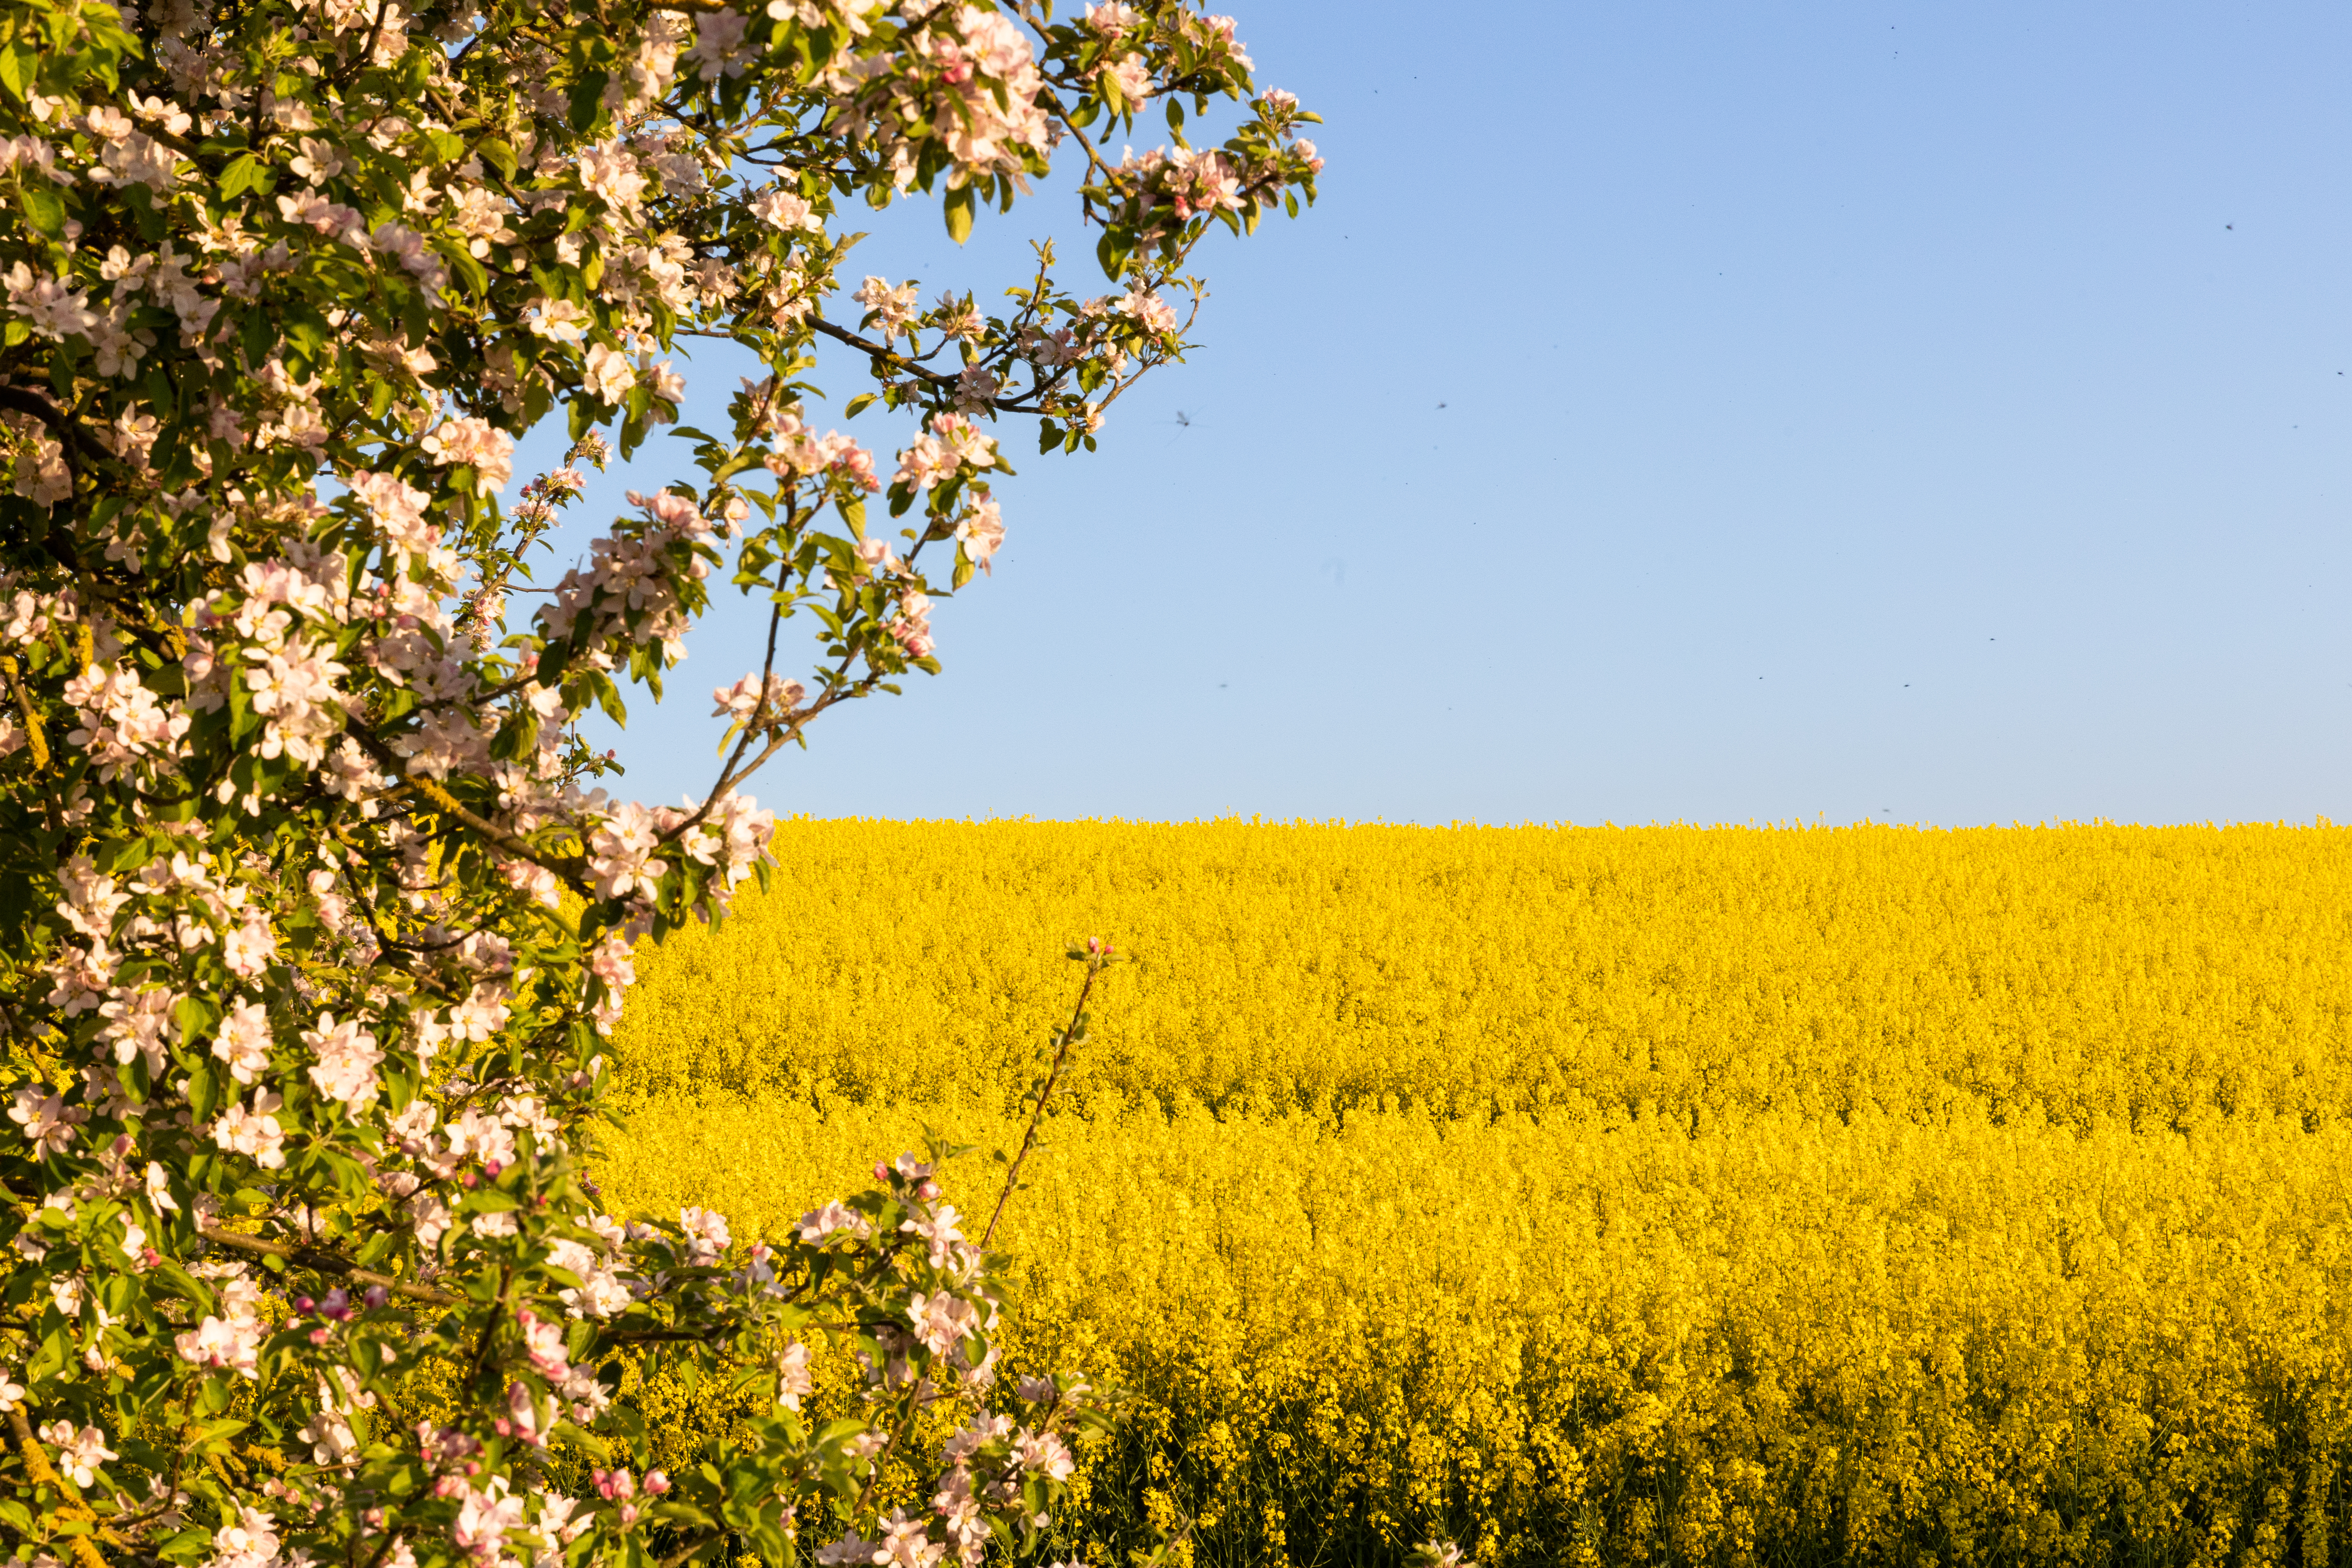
[1703, 412]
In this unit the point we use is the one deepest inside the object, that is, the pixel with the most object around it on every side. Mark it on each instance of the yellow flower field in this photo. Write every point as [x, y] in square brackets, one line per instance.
[1641, 1196]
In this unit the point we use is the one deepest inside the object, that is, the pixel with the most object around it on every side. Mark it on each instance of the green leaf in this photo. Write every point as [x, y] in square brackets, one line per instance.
[16, 75]
[857, 404]
[194, 1016]
[593, 1445]
[202, 1094]
[189, 1546]
[44, 209]
[1112, 251]
[587, 100]
[960, 206]
[518, 737]
[256, 336]
[245, 173]
[305, 328]
[477, 277]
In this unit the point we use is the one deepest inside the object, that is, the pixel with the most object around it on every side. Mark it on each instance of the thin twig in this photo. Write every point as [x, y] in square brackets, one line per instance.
[1068, 1037]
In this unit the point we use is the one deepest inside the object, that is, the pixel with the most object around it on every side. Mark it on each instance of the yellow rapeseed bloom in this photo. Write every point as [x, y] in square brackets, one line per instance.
[1656, 1195]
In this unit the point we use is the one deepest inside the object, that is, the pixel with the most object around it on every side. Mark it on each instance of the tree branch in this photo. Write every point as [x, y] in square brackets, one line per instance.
[324, 1262]
[36, 1465]
[570, 868]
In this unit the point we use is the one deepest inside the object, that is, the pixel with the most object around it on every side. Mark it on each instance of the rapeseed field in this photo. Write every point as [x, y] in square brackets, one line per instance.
[1647, 1195]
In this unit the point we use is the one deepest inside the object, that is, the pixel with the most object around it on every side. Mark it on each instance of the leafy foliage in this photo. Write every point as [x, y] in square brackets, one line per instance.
[312, 925]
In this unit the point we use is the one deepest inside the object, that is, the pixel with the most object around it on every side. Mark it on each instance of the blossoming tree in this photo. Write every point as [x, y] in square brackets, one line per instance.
[312, 921]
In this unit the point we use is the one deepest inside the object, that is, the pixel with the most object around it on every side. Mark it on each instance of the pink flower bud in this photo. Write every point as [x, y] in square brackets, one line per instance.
[656, 1482]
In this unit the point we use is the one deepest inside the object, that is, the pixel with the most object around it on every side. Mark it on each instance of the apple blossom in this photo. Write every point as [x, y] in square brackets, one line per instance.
[319, 914]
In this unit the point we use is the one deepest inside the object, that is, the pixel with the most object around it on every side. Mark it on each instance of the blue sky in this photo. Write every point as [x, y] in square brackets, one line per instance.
[1849, 411]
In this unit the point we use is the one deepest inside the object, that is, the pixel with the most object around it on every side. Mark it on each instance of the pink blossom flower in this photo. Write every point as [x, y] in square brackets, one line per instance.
[706, 1234]
[620, 854]
[476, 443]
[544, 1342]
[253, 1133]
[140, 1023]
[980, 531]
[55, 308]
[891, 308]
[609, 375]
[906, 1542]
[48, 1124]
[718, 44]
[793, 1379]
[79, 1453]
[559, 320]
[345, 1070]
[610, 170]
[1043, 1454]
[938, 1228]
[773, 699]
[398, 510]
[851, 1548]
[783, 209]
[249, 1541]
[1134, 79]
[942, 1320]
[232, 1344]
[243, 1041]
[1149, 312]
[483, 1519]
[412, 251]
[819, 1226]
